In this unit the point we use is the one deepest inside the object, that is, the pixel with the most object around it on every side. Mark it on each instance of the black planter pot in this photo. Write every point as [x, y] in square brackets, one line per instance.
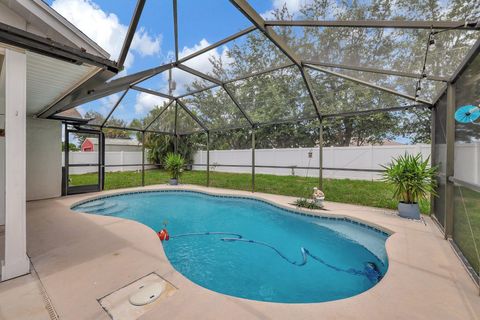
[173, 182]
[409, 210]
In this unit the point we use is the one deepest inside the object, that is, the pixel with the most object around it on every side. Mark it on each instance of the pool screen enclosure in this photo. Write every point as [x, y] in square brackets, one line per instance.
[330, 60]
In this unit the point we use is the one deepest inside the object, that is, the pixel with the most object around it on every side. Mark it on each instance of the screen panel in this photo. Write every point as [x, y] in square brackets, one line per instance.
[135, 109]
[466, 216]
[274, 96]
[215, 109]
[380, 48]
[337, 95]
[246, 55]
[96, 110]
[367, 10]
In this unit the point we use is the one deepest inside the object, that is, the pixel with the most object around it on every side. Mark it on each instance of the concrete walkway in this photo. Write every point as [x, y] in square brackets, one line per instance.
[81, 258]
[22, 299]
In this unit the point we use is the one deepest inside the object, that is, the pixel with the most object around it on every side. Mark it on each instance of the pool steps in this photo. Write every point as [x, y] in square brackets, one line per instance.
[105, 209]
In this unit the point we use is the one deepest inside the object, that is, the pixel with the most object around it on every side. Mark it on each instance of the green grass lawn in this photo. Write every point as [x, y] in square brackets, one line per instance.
[368, 193]
[466, 224]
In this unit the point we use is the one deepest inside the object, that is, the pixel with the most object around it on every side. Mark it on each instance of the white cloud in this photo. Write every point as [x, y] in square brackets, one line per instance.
[145, 44]
[293, 7]
[200, 63]
[145, 102]
[106, 30]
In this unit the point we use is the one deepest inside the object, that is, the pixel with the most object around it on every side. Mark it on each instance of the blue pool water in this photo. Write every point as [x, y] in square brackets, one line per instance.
[251, 249]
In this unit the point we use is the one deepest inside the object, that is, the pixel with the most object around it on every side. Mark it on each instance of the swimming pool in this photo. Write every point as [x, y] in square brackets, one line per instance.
[252, 249]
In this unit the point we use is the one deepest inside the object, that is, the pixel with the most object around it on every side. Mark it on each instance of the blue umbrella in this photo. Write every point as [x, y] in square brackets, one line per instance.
[467, 114]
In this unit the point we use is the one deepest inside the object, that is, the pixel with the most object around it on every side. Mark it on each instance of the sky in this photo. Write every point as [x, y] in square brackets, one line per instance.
[200, 23]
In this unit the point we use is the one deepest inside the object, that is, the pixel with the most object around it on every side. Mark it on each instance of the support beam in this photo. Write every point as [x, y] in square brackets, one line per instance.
[237, 104]
[31, 42]
[253, 159]
[143, 159]
[16, 262]
[374, 70]
[208, 159]
[449, 166]
[222, 129]
[175, 135]
[368, 84]
[471, 55]
[200, 74]
[398, 24]
[191, 93]
[244, 7]
[125, 129]
[113, 109]
[259, 73]
[320, 156]
[94, 91]
[326, 116]
[98, 79]
[131, 32]
[66, 159]
[175, 27]
[194, 117]
[154, 93]
[433, 160]
[308, 84]
[158, 116]
[217, 44]
[101, 160]
[364, 112]
[253, 74]
[219, 83]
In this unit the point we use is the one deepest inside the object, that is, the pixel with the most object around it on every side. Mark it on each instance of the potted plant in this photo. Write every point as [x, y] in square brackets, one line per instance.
[413, 180]
[174, 165]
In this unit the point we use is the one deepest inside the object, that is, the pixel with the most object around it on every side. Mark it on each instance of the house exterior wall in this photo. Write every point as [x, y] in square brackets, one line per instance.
[43, 138]
[44, 159]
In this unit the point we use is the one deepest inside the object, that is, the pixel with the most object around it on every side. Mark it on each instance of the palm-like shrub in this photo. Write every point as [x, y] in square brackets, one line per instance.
[412, 177]
[174, 164]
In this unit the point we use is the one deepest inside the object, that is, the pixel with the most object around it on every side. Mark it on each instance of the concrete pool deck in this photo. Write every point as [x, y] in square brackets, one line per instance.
[80, 258]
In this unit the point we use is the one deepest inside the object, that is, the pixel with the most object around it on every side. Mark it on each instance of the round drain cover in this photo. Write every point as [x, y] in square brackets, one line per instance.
[147, 293]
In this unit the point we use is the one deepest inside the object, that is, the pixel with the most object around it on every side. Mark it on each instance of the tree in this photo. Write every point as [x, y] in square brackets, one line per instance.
[71, 147]
[98, 118]
[161, 119]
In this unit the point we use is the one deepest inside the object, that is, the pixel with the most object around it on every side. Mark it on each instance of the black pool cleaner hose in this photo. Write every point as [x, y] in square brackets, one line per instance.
[371, 270]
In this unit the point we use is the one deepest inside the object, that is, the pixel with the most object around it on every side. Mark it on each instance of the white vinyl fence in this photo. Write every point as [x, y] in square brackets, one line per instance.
[298, 160]
[122, 161]
[367, 158]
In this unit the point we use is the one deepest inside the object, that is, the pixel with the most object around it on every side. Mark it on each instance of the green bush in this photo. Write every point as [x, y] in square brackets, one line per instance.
[305, 203]
[174, 164]
[411, 177]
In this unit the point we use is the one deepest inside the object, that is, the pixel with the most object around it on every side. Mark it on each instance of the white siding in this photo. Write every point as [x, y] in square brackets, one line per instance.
[44, 163]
